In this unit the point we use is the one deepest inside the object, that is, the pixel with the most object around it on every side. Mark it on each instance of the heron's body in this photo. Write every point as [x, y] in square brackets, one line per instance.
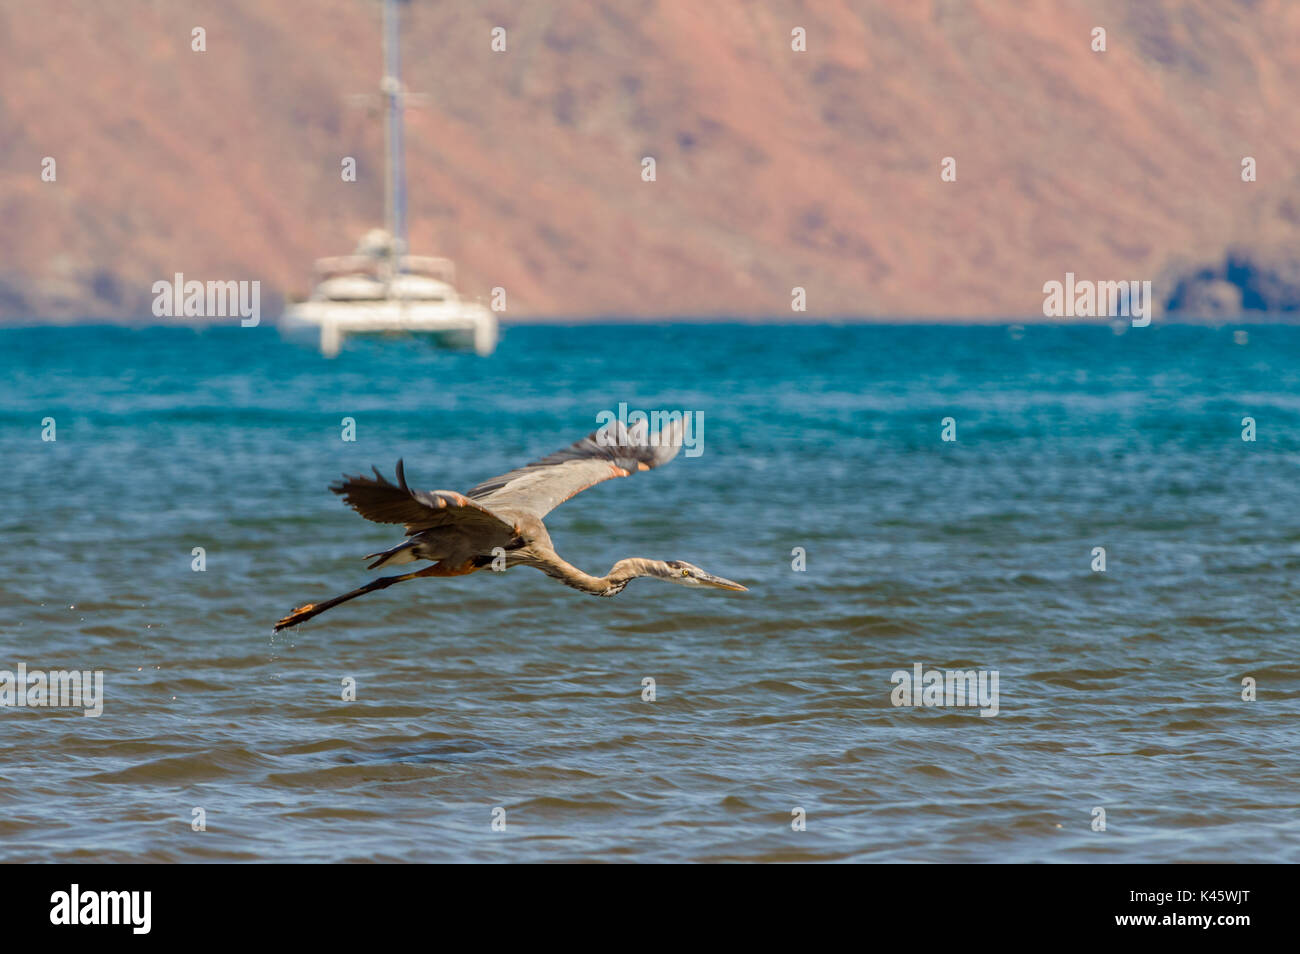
[499, 524]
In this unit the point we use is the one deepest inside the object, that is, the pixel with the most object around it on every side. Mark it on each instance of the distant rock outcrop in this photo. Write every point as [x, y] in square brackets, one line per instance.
[1245, 281]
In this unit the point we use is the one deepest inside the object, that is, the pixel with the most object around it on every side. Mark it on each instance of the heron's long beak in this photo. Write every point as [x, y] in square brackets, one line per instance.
[708, 579]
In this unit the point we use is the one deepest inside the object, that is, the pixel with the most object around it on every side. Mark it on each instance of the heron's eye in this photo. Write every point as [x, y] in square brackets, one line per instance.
[686, 572]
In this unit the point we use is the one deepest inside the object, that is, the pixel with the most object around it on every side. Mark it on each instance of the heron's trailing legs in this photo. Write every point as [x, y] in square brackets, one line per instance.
[303, 613]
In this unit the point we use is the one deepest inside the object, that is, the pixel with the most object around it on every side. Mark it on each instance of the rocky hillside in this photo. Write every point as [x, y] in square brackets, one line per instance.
[774, 168]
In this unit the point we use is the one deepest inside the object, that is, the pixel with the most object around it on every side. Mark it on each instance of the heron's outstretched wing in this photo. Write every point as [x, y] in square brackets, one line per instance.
[382, 501]
[613, 451]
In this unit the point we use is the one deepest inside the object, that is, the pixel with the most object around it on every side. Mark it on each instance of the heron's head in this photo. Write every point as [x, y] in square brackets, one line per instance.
[688, 574]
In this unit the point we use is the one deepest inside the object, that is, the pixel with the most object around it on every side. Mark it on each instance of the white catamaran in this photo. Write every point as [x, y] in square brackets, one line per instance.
[380, 289]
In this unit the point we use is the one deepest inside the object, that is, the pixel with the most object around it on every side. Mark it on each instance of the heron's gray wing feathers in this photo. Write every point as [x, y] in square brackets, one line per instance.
[611, 451]
[383, 501]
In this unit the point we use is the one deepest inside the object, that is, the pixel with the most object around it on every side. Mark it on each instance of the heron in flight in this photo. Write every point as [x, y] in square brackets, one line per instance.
[500, 521]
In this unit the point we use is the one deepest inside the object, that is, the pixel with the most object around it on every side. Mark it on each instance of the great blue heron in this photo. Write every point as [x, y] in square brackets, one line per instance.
[499, 522]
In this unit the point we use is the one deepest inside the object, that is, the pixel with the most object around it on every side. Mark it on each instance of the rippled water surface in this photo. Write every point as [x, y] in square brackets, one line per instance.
[1119, 690]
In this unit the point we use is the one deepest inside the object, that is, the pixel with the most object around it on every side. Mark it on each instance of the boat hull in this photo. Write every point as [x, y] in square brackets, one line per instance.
[454, 324]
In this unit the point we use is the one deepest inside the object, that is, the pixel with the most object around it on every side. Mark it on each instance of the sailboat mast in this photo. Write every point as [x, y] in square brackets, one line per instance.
[394, 171]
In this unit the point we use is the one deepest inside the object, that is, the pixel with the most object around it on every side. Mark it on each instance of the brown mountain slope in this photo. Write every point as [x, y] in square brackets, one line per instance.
[774, 168]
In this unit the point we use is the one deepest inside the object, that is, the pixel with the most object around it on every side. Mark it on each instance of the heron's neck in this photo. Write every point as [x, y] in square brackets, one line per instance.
[626, 570]
[610, 584]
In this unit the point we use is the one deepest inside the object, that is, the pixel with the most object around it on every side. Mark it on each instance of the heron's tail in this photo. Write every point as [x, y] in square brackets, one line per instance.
[404, 552]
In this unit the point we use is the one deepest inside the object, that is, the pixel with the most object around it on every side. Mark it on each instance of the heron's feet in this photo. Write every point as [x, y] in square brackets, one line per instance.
[296, 617]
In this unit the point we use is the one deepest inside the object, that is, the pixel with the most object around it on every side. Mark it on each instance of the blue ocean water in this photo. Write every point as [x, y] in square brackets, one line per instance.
[508, 696]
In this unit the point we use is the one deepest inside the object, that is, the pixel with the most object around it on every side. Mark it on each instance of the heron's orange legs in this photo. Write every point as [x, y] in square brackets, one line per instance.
[442, 568]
